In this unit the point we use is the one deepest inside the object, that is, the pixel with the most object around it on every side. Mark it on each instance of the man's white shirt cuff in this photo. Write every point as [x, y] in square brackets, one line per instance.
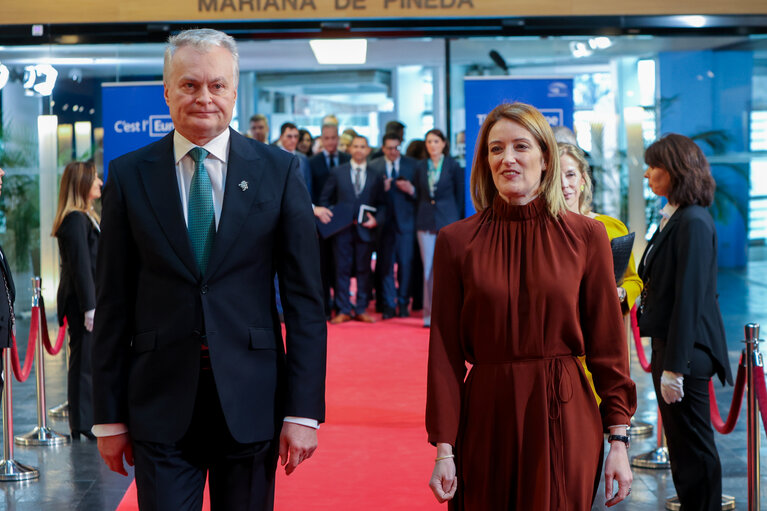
[109, 429]
[311, 423]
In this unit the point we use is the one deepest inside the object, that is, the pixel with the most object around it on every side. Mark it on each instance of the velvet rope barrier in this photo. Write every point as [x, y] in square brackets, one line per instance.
[638, 341]
[761, 393]
[53, 350]
[737, 402]
[20, 373]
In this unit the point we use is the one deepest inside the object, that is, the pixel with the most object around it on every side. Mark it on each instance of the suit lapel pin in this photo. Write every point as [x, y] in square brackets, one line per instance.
[243, 185]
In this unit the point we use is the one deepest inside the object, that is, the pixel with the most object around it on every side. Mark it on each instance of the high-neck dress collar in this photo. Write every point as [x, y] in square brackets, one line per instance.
[507, 211]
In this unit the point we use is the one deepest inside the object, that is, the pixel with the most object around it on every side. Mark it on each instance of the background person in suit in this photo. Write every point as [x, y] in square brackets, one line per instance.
[397, 232]
[190, 375]
[288, 141]
[259, 128]
[7, 297]
[76, 226]
[320, 165]
[439, 182]
[680, 312]
[355, 184]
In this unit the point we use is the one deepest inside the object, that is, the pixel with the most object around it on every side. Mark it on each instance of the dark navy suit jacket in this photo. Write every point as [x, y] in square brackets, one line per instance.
[320, 172]
[446, 206]
[339, 188]
[153, 304]
[681, 308]
[400, 207]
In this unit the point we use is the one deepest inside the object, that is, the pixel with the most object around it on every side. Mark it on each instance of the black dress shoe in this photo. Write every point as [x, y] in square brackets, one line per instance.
[87, 434]
[389, 313]
[403, 312]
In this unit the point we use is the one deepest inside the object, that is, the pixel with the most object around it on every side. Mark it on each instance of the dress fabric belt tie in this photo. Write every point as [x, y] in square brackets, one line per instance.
[559, 390]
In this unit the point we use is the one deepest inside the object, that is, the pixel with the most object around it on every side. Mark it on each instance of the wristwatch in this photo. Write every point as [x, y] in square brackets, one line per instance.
[622, 295]
[620, 438]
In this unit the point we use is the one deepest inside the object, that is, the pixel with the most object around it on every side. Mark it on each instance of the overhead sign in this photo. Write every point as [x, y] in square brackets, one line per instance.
[116, 11]
[134, 115]
[553, 97]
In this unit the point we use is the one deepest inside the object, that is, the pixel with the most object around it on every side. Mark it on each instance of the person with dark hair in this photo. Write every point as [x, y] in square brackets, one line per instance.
[395, 127]
[7, 299]
[439, 184]
[305, 142]
[288, 141]
[679, 310]
[397, 232]
[521, 289]
[76, 226]
[416, 149]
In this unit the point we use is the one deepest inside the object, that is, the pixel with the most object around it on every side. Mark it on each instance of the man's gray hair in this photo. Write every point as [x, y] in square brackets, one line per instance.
[202, 40]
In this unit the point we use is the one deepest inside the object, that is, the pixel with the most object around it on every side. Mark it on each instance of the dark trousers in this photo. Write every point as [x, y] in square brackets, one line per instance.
[352, 253]
[327, 270]
[79, 373]
[395, 248]
[695, 465]
[171, 477]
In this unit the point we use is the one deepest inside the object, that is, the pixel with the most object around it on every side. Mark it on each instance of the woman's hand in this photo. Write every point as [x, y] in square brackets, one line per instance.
[617, 468]
[443, 480]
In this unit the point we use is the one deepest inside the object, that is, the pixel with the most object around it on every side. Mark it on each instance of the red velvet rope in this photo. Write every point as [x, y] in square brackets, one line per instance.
[761, 393]
[735, 406]
[53, 350]
[20, 373]
[638, 341]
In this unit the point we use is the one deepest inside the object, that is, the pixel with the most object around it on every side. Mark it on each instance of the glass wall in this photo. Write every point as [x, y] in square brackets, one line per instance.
[627, 91]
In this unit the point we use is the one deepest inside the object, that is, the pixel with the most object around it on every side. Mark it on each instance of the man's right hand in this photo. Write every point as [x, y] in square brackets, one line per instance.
[113, 449]
[324, 214]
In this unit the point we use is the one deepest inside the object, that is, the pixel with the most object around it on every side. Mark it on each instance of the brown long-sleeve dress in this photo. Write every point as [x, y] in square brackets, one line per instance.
[518, 295]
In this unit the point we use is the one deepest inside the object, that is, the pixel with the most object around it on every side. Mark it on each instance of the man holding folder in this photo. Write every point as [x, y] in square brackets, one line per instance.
[354, 188]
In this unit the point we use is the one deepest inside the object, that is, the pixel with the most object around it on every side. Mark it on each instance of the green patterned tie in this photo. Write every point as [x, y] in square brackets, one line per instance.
[202, 218]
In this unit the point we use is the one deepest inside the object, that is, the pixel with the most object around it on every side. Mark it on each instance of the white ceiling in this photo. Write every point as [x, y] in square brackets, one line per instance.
[123, 60]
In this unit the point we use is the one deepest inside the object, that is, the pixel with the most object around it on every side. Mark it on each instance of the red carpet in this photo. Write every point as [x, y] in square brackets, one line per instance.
[373, 453]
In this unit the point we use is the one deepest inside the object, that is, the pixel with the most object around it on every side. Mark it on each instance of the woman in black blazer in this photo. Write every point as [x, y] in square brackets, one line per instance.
[439, 186]
[680, 312]
[76, 226]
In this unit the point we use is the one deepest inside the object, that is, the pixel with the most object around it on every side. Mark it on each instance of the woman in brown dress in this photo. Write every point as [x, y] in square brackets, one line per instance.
[521, 289]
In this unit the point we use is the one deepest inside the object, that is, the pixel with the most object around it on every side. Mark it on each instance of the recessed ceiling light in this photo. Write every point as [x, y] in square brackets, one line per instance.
[339, 51]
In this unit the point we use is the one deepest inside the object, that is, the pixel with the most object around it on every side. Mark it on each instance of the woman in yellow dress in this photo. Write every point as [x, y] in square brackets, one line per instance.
[577, 189]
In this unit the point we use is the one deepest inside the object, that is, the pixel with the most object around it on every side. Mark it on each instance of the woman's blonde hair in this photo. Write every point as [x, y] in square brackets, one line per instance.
[587, 193]
[483, 190]
[75, 188]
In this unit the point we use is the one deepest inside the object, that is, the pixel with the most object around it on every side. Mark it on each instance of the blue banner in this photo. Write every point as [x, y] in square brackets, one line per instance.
[134, 115]
[552, 96]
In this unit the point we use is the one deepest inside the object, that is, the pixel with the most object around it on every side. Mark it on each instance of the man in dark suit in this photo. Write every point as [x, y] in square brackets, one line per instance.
[320, 165]
[397, 232]
[7, 297]
[190, 375]
[356, 185]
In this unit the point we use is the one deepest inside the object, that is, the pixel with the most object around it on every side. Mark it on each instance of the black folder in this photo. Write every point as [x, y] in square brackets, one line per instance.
[621, 246]
[343, 217]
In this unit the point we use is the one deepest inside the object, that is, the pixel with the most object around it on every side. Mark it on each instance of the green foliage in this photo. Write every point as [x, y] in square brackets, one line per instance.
[20, 153]
[19, 204]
